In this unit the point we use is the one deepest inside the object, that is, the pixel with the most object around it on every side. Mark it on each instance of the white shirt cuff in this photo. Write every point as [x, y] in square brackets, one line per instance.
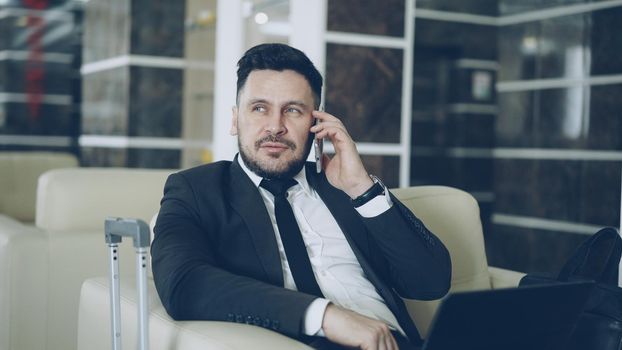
[314, 317]
[376, 205]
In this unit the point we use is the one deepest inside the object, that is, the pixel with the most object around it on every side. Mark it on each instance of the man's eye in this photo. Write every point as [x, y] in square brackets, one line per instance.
[259, 109]
[292, 111]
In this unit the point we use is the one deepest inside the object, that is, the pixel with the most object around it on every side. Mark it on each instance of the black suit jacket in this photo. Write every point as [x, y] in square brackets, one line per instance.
[215, 254]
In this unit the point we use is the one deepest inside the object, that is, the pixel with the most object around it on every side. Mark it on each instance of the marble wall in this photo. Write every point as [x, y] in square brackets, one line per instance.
[140, 99]
[39, 81]
[363, 83]
[542, 151]
[578, 190]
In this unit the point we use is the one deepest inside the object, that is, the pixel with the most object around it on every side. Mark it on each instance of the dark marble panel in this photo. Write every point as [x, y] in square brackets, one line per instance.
[366, 17]
[106, 30]
[429, 132]
[105, 102]
[581, 117]
[363, 88]
[575, 191]
[130, 157]
[470, 174]
[47, 33]
[38, 119]
[605, 122]
[600, 193]
[530, 250]
[476, 7]
[606, 42]
[154, 158]
[431, 79]
[429, 169]
[387, 168]
[472, 86]
[471, 130]
[461, 40]
[36, 77]
[155, 102]
[485, 211]
[518, 47]
[563, 47]
[562, 119]
[157, 27]
[515, 121]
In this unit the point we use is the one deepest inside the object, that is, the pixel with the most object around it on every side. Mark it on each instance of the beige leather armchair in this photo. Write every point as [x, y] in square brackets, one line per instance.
[44, 266]
[450, 213]
[19, 173]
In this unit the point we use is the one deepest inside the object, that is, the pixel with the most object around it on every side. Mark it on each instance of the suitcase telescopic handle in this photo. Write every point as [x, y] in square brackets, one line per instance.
[135, 228]
[115, 230]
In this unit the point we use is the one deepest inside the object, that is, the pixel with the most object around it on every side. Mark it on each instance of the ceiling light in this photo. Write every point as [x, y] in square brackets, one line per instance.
[261, 18]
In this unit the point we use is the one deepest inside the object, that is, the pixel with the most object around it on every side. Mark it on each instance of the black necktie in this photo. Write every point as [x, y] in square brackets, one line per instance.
[295, 249]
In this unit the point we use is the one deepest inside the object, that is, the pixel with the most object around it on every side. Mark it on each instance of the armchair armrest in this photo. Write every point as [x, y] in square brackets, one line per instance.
[503, 278]
[165, 333]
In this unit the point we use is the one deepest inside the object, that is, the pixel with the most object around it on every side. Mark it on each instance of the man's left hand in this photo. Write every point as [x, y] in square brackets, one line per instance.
[345, 169]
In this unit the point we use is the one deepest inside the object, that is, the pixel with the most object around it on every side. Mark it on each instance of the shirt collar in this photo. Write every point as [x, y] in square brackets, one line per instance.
[301, 177]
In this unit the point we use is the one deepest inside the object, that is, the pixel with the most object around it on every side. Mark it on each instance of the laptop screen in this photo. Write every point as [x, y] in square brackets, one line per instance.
[532, 317]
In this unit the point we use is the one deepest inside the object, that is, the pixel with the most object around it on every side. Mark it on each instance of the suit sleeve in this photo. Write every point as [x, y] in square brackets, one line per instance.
[193, 286]
[418, 263]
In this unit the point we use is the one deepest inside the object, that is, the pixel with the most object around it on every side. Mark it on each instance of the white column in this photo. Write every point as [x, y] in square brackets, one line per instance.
[307, 21]
[308, 24]
[229, 49]
[407, 86]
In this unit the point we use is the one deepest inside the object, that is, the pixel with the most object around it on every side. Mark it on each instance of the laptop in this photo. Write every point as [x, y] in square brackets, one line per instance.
[527, 318]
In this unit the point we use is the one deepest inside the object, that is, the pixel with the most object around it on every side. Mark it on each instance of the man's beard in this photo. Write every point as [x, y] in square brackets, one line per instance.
[289, 170]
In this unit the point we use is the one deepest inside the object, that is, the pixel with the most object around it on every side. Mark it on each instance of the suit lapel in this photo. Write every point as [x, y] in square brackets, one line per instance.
[245, 199]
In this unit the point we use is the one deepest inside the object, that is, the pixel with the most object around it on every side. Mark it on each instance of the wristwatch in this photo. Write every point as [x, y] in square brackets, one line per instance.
[376, 190]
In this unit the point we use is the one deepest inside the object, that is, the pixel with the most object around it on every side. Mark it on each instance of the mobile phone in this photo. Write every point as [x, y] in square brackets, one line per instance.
[318, 147]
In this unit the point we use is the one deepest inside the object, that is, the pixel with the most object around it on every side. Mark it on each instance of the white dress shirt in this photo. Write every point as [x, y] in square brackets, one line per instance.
[336, 268]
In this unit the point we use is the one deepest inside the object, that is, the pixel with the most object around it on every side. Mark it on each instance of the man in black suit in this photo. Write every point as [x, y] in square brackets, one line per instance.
[266, 240]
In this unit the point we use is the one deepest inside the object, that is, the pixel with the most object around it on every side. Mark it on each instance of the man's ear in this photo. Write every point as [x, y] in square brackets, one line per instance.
[234, 121]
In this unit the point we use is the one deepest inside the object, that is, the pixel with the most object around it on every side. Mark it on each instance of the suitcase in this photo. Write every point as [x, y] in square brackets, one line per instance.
[115, 229]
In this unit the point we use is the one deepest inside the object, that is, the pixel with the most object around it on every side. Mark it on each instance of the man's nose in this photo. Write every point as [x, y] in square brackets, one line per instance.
[275, 124]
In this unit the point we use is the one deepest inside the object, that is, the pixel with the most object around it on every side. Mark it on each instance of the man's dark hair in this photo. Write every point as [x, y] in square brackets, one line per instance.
[279, 57]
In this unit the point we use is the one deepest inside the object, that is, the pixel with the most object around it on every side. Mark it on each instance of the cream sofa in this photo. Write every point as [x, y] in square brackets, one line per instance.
[45, 265]
[452, 214]
[19, 172]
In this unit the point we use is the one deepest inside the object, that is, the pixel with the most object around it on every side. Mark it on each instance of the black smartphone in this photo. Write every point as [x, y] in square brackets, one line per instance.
[318, 147]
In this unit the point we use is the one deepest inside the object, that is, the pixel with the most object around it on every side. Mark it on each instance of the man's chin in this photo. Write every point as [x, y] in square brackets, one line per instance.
[275, 167]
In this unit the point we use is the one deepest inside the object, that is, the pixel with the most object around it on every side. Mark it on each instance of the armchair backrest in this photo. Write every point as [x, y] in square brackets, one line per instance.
[80, 199]
[453, 215]
[72, 205]
[19, 172]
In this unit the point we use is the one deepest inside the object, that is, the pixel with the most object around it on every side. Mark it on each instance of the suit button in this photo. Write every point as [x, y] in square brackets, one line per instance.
[239, 319]
[249, 319]
[266, 323]
[275, 325]
[230, 317]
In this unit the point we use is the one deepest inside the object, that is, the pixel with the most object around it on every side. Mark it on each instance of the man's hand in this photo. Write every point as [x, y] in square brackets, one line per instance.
[345, 170]
[349, 328]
